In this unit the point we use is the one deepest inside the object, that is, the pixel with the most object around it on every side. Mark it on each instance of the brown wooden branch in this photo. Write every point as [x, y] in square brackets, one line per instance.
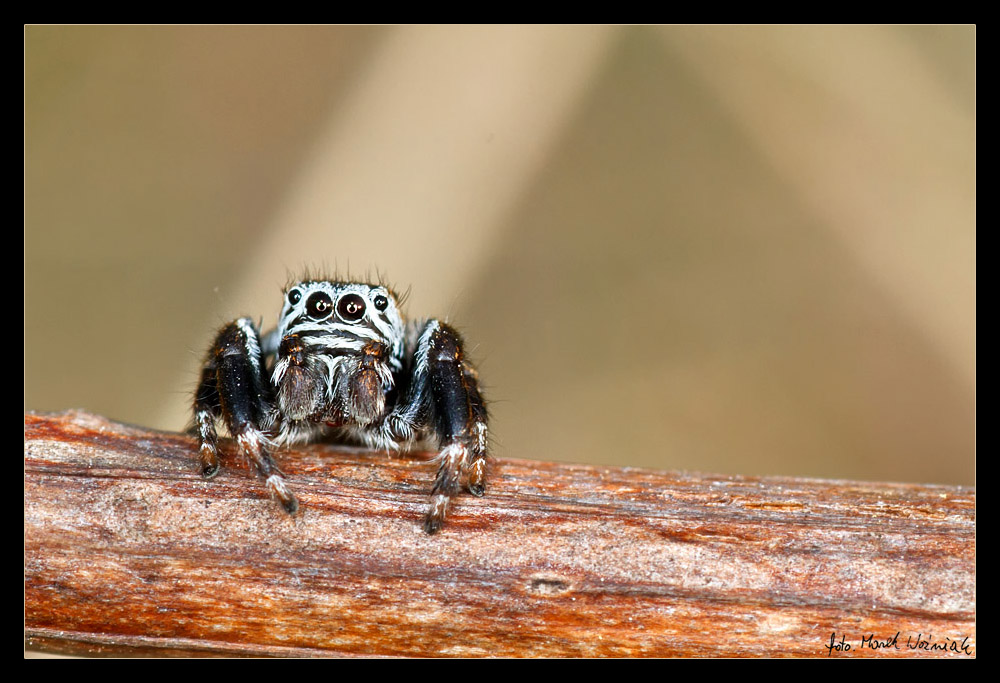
[129, 551]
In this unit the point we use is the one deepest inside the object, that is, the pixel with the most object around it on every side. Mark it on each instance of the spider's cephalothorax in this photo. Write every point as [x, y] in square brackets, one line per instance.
[343, 359]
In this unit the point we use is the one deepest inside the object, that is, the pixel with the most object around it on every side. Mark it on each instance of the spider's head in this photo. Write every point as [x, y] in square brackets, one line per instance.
[323, 325]
[341, 309]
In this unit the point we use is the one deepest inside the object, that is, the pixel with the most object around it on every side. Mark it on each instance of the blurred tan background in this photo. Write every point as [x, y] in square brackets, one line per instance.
[726, 249]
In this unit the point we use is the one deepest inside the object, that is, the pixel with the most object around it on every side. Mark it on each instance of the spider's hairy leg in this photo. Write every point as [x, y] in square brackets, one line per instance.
[459, 415]
[233, 387]
[206, 410]
[477, 466]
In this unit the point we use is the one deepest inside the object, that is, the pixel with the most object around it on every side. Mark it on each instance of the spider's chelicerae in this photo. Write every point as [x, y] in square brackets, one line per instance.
[343, 360]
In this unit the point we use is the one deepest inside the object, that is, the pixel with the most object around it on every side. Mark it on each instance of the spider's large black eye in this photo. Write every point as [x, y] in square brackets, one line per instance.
[351, 307]
[319, 306]
[381, 303]
[294, 296]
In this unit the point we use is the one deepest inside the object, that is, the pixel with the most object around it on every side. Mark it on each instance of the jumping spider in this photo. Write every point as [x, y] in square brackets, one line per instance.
[344, 361]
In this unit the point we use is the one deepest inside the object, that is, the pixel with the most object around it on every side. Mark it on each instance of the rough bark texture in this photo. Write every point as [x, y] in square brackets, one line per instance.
[129, 551]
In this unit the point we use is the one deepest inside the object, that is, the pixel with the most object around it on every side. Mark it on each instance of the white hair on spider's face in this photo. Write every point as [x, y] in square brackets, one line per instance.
[363, 312]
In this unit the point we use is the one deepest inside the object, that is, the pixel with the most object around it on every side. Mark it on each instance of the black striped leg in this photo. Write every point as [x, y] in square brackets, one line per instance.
[477, 465]
[251, 443]
[460, 421]
[233, 388]
[206, 410]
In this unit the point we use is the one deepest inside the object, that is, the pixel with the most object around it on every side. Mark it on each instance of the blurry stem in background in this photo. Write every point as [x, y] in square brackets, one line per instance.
[888, 188]
[444, 132]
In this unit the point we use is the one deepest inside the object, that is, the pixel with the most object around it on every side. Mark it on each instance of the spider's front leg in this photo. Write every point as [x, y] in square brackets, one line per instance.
[458, 415]
[233, 387]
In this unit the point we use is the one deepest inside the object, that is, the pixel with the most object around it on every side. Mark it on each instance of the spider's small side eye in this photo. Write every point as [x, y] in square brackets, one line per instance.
[351, 307]
[381, 303]
[294, 296]
[319, 306]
